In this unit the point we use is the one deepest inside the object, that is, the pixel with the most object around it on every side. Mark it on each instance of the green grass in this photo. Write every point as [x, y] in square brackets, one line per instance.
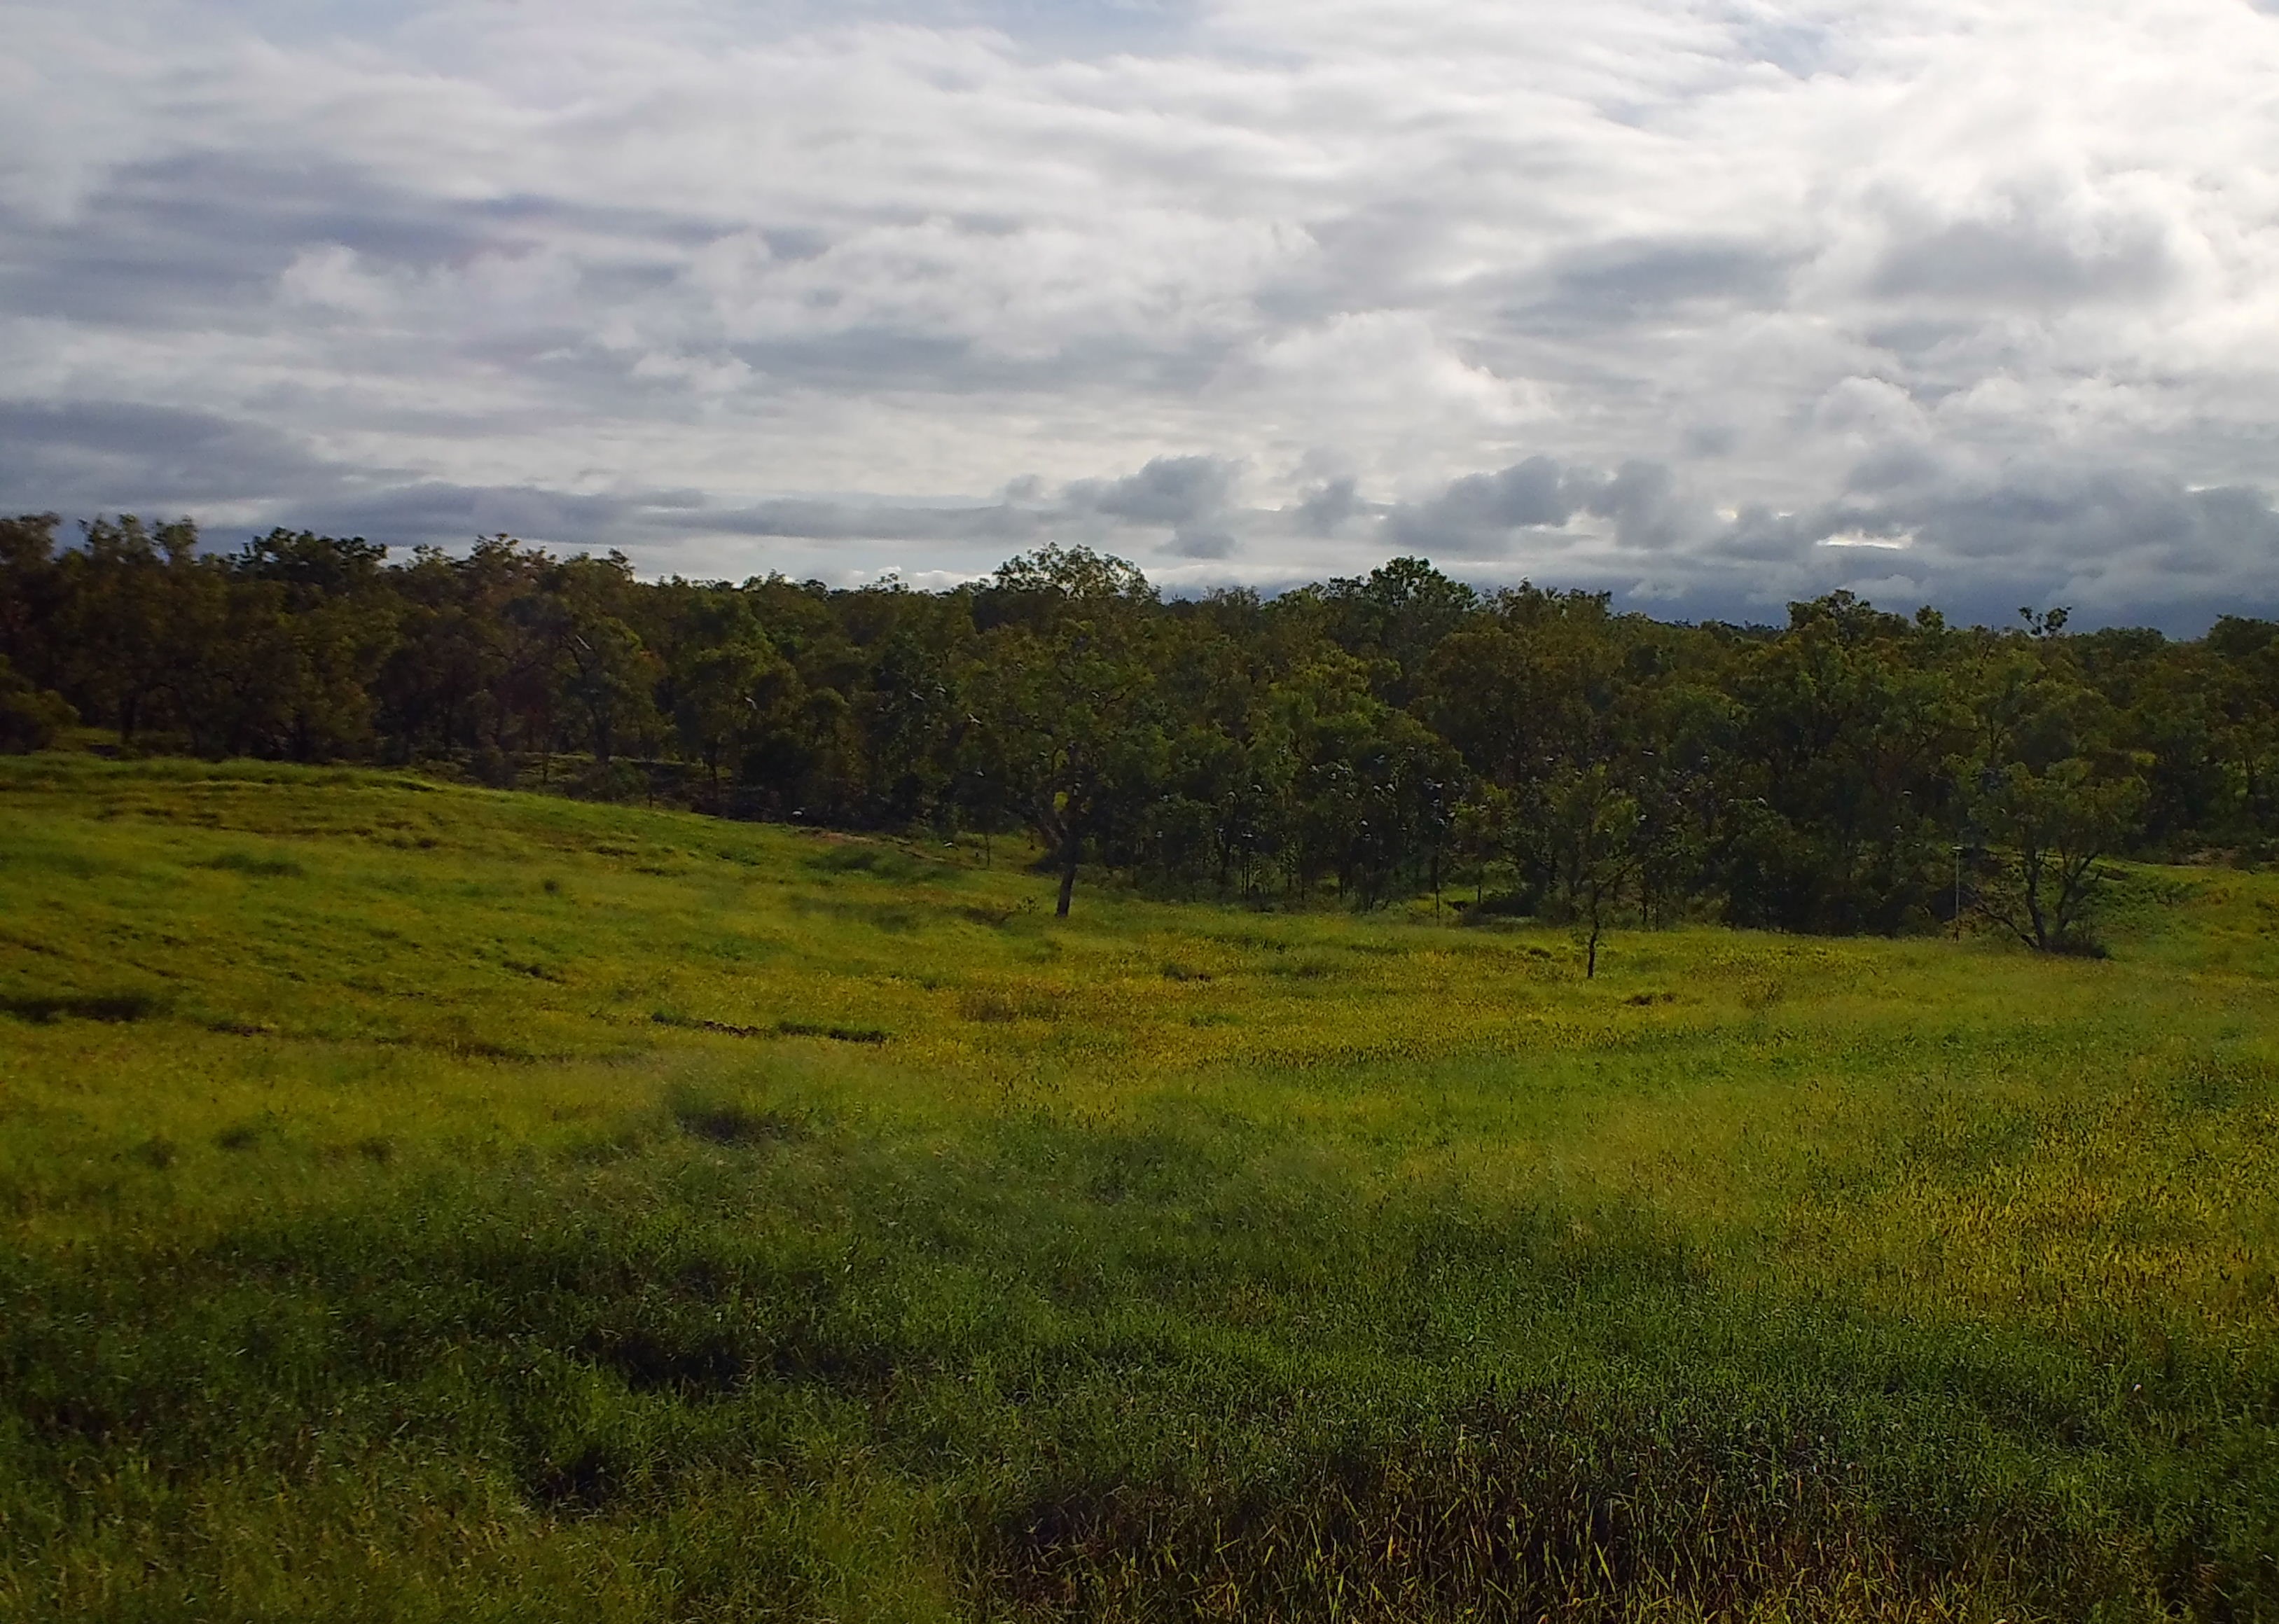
[434, 1203]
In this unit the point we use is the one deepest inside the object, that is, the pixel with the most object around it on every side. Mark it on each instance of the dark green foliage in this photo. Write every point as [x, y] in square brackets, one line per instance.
[30, 717]
[1377, 737]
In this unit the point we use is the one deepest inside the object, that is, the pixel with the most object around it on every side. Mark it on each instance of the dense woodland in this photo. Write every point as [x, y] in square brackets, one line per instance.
[1520, 750]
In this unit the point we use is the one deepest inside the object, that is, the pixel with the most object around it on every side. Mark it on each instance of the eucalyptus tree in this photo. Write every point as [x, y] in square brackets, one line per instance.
[1061, 688]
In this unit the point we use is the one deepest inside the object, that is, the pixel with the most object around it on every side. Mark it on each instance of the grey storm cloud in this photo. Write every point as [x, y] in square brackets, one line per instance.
[122, 455]
[1708, 306]
[2117, 544]
[1188, 496]
[843, 521]
[1484, 515]
[1644, 502]
[1169, 490]
[1477, 515]
[437, 514]
[1328, 506]
[2114, 535]
[112, 456]
[2114, 545]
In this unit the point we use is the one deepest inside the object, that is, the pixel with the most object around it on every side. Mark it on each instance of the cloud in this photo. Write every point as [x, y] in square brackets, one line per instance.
[1169, 490]
[1619, 283]
[1188, 496]
[114, 455]
[1649, 513]
[2019, 254]
[1198, 542]
[1475, 516]
[2126, 545]
[2112, 542]
[1657, 298]
[999, 526]
[450, 516]
[1327, 508]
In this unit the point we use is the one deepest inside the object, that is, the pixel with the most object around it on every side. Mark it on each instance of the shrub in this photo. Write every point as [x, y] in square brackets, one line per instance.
[30, 717]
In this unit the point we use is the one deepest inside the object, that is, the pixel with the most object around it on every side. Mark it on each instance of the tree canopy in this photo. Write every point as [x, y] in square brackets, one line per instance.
[1366, 737]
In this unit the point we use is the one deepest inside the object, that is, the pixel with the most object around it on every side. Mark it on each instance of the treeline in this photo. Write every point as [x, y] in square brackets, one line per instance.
[1376, 737]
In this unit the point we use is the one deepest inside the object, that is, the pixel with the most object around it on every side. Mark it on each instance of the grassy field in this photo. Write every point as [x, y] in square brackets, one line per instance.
[425, 1202]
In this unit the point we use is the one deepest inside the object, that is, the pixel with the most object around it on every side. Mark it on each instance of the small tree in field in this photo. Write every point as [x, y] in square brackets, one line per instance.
[1592, 828]
[2050, 832]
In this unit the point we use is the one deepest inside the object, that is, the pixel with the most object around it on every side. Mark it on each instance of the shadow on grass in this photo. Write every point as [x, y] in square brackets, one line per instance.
[116, 1009]
[722, 1117]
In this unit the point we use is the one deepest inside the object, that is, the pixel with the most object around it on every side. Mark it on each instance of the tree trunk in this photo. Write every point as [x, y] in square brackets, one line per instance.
[1069, 854]
[1597, 917]
[2030, 876]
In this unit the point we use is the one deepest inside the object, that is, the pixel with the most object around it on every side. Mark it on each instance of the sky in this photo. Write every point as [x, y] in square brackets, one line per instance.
[1711, 304]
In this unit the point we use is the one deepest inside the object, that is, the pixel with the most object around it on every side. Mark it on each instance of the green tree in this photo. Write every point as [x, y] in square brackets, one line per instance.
[1327, 711]
[2050, 832]
[1398, 613]
[1062, 691]
[605, 670]
[30, 716]
[721, 695]
[33, 611]
[1592, 828]
[907, 712]
[1836, 780]
[2243, 671]
[128, 634]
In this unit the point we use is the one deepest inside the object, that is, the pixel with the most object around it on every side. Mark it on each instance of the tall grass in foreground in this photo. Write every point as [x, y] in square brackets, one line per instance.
[442, 1204]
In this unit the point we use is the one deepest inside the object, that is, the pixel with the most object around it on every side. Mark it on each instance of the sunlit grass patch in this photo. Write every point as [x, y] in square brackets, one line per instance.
[593, 1211]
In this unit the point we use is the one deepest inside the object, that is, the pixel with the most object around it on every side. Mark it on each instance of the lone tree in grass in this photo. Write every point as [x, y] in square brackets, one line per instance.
[1594, 829]
[2050, 833]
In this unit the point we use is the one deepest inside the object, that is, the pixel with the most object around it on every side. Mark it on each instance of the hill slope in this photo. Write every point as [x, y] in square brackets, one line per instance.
[430, 1202]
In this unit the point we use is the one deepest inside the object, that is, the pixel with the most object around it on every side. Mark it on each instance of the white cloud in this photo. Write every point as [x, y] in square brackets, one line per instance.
[1707, 257]
[330, 277]
[1856, 538]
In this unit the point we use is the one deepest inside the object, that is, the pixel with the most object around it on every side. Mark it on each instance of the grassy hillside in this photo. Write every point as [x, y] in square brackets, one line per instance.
[433, 1203]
